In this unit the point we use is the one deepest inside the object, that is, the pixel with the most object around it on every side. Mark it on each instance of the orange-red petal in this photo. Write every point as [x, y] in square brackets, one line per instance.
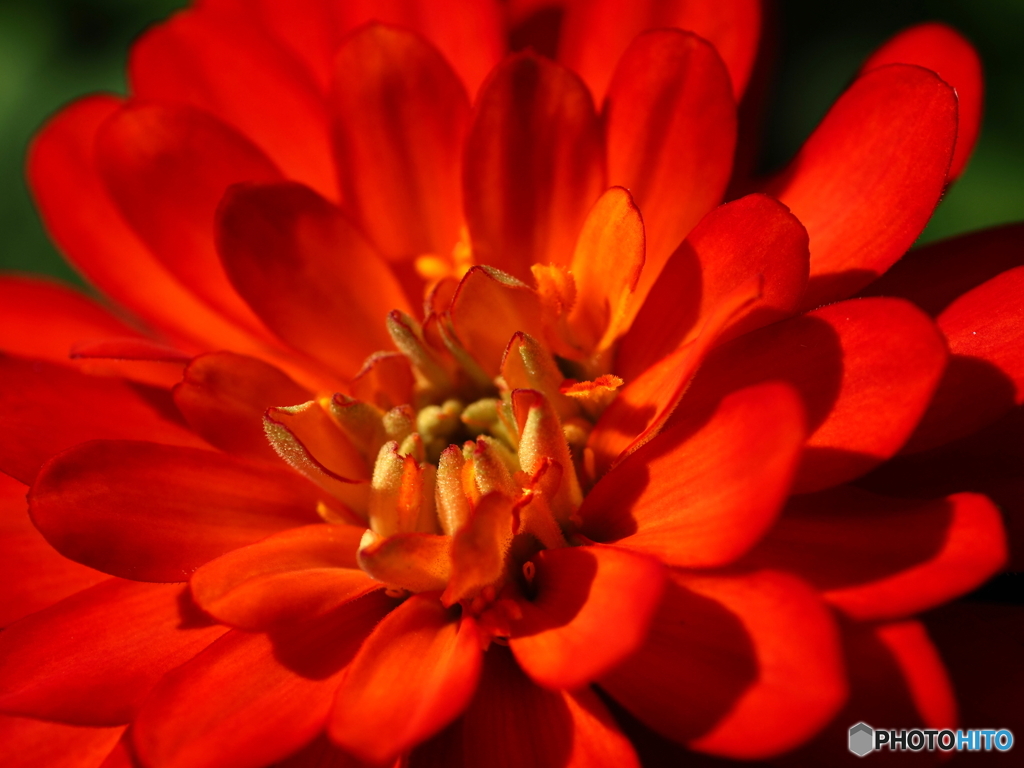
[304, 269]
[671, 130]
[223, 397]
[533, 165]
[156, 512]
[89, 228]
[399, 121]
[566, 729]
[251, 699]
[700, 495]
[31, 743]
[866, 181]
[300, 573]
[413, 675]
[47, 408]
[167, 167]
[118, 637]
[875, 557]
[590, 608]
[35, 575]
[866, 370]
[736, 242]
[743, 667]
[596, 32]
[985, 376]
[224, 64]
[951, 56]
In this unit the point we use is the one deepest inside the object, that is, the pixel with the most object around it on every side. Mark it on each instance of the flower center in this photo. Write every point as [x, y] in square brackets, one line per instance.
[476, 464]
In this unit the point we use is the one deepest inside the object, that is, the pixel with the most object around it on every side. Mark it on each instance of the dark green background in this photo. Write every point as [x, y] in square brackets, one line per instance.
[54, 50]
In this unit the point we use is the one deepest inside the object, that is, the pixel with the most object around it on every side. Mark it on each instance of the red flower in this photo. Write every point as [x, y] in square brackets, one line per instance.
[620, 474]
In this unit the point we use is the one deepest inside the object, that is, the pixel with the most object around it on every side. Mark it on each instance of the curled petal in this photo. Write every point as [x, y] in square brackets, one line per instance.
[606, 267]
[417, 562]
[733, 244]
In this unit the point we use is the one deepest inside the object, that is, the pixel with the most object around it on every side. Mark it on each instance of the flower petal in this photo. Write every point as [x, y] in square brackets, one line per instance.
[34, 575]
[32, 743]
[304, 269]
[565, 729]
[935, 275]
[412, 676]
[671, 125]
[42, 319]
[399, 121]
[590, 609]
[167, 167]
[296, 574]
[46, 408]
[596, 32]
[744, 667]
[155, 512]
[606, 267]
[734, 243]
[223, 397]
[896, 676]
[951, 56]
[533, 165]
[866, 370]
[985, 377]
[250, 699]
[882, 558]
[644, 406]
[488, 309]
[987, 462]
[700, 495]
[866, 181]
[89, 228]
[118, 637]
[224, 64]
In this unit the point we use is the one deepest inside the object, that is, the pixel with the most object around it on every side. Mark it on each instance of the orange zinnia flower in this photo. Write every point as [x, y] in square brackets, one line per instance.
[480, 434]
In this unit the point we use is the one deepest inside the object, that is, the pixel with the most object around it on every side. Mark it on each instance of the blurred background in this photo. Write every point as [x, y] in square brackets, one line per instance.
[54, 50]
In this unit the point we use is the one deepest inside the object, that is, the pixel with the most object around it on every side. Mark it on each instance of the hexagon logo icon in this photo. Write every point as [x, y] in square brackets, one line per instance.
[862, 739]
